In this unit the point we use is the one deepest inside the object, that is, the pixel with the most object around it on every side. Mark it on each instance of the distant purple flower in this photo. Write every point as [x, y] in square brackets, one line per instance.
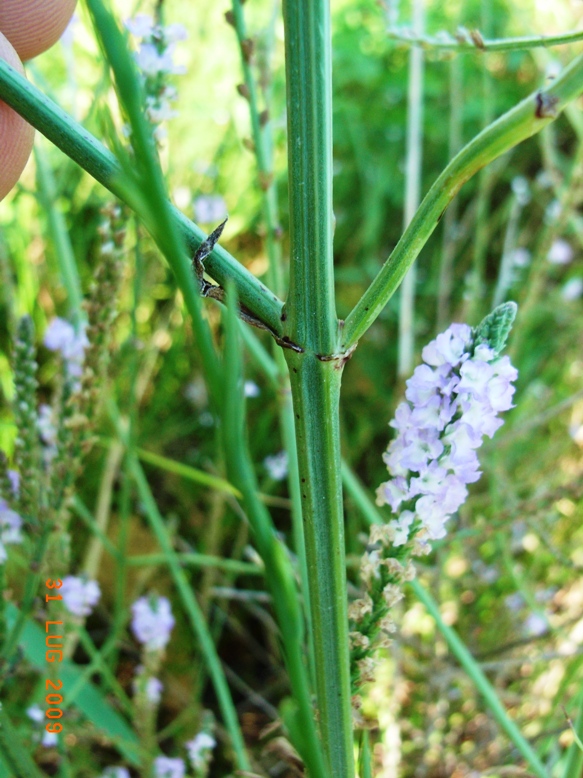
[14, 479]
[167, 767]
[453, 401]
[152, 621]
[560, 253]
[10, 525]
[79, 595]
[61, 336]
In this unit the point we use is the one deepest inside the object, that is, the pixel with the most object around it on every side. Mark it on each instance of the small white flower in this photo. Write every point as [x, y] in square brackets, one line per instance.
[152, 621]
[199, 748]
[573, 289]
[535, 625]
[209, 209]
[79, 595]
[277, 465]
[115, 772]
[521, 257]
[560, 252]
[35, 713]
[250, 389]
[140, 26]
[167, 767]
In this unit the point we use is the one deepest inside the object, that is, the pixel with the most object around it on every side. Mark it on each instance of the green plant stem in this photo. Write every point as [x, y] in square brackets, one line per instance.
[316, 391]
[82, 147]
[412, 191]
[259, 133]
[494, 44]
[456, 645]
[278, 571]
[315, 384]
[524, 120]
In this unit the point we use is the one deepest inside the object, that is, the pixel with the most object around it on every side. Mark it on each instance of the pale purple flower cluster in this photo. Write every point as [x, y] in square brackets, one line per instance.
[61, 336]
[152, 621]
[79, 595]
[155, 59]
[453, 400]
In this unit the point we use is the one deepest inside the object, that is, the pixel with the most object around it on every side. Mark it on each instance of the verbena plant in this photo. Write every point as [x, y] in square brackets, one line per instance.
[328, 648]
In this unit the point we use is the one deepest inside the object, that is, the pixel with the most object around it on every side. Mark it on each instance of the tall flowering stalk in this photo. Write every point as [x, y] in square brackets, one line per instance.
[453, 402]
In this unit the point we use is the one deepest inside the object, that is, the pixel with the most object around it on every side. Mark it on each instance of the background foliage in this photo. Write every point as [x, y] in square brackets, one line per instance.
[509, 578]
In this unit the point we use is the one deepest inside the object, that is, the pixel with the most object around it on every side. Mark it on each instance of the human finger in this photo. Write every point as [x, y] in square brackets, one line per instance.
[16, 136]
[32, 26]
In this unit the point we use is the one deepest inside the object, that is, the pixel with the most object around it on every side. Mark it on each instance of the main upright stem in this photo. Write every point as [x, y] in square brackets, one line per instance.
[315, 374]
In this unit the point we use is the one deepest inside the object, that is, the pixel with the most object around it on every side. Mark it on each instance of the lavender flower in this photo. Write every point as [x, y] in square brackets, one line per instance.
[152, 622]
[167, 767]
[199, 749]
[10, 525]
[115, 772]
[453, 401]
[79, 595]
[61, 336]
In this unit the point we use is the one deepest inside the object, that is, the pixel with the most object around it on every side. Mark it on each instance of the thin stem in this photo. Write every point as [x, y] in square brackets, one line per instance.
[412, 190]
[82, 147]
[260, 132]
[311, 322]
[524, 120]
[485, 178]
[473, 41]
[450, 221]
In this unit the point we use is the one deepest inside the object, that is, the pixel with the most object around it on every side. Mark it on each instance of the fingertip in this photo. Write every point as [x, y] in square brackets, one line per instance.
[16, 135]
[32, 26]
